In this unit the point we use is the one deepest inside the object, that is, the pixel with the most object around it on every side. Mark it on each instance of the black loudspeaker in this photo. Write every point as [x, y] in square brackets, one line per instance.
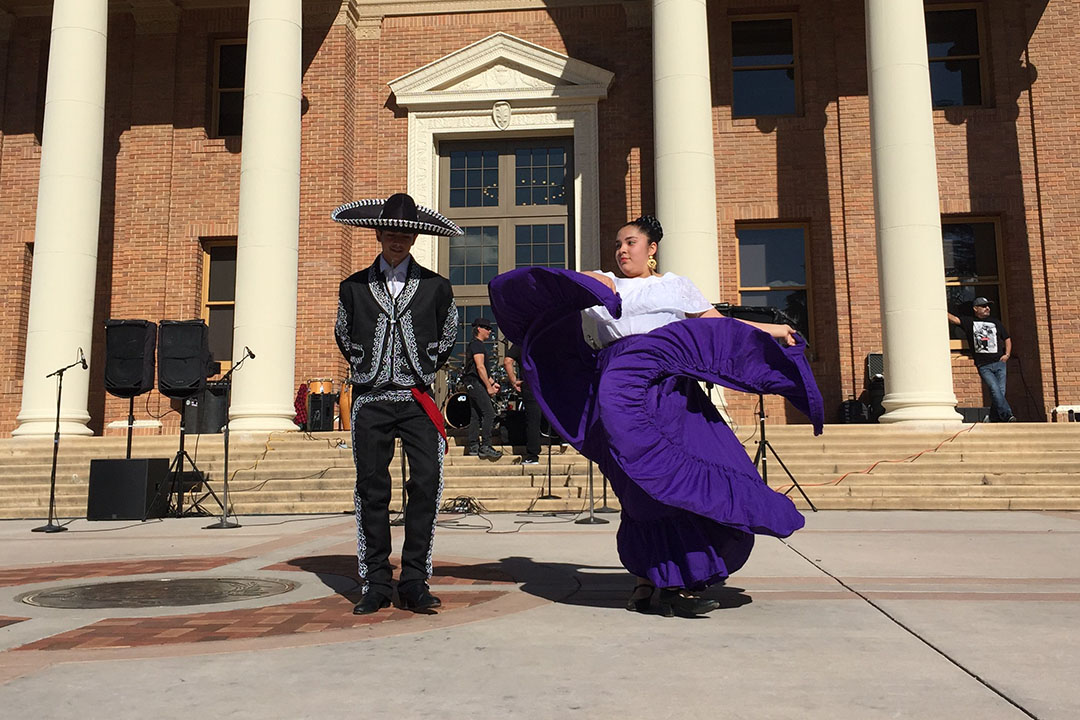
[875, 366]
[127, 489]
[974, 414]
[320, 417]
[183, 357]
[854, 411]
[129, 357]
[205, 411]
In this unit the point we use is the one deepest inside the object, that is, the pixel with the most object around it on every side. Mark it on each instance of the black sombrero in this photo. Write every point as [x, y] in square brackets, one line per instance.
[399, 213]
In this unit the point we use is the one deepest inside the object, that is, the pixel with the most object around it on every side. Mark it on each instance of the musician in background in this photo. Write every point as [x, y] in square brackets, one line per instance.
[480, 387]
[532, 408]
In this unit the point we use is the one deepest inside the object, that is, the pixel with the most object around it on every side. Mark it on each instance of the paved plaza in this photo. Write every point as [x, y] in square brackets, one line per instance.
[859, 615]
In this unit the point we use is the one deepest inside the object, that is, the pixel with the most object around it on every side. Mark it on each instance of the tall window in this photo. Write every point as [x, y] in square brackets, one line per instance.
[764, 66]
[513, 201]
[772, 270]
[955, 47]
[219, 295]
[972, 266]
[227, 112]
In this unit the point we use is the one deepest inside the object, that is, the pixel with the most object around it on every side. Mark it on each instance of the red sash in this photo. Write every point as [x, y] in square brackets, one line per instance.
[428, 403]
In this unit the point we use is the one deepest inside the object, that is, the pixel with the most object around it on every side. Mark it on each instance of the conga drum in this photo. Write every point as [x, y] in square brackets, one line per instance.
[458, 411]
[345, 405]
[320, 386]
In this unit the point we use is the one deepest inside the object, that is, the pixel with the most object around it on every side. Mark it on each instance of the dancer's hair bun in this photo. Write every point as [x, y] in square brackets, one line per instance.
[651, 226]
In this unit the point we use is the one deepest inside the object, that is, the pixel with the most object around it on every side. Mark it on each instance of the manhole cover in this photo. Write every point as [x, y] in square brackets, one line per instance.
[166, 592]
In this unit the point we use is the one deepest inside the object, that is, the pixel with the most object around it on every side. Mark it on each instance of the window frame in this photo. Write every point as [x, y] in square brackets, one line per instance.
[216, 90]
[795, 61]
[806, 287]
[207, 245]
[506, 214]
[982, 57]
[961, 345]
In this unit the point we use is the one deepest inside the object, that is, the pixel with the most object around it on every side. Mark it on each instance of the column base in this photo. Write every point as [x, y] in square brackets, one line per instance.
[920, 412]
[262, 423]
[46, 428]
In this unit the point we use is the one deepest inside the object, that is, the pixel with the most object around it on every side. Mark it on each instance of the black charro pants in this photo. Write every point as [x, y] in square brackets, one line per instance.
[375, 426]
[483, 413]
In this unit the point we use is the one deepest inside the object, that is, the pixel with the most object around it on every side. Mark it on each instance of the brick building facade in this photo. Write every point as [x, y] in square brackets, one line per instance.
[171, 183]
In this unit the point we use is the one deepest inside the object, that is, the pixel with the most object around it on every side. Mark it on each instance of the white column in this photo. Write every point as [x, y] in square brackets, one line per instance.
[911, 266]
[62, 285]
[683, 134]
[269, 220]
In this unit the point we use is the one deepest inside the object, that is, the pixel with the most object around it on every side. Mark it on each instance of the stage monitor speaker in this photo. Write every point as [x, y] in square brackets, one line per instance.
[183, 357]
[321, 412]
[127, 489]
[206, 411]
[129, 357]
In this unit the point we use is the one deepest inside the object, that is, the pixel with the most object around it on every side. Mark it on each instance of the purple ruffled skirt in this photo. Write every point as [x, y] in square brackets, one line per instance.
[691, 499]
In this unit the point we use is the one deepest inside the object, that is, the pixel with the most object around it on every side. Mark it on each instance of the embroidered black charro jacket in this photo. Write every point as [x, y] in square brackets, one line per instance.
[400, 342]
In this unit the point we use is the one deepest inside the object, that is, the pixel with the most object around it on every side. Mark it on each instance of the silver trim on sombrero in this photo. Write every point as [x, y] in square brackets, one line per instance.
[443, 226]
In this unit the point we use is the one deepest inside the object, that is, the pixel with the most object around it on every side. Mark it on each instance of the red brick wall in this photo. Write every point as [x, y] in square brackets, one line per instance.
[167, 186]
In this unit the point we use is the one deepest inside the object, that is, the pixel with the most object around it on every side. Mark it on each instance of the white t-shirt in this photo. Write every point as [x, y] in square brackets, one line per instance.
[647, 303]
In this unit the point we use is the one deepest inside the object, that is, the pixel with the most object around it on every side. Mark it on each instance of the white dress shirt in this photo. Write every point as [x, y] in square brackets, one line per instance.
[395, 276]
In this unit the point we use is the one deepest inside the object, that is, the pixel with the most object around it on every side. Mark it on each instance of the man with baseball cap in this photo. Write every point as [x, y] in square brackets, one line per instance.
[480, 387]
[991, 348]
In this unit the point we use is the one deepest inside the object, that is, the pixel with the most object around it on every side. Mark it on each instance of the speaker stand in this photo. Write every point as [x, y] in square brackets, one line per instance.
[765, 446]
[131, 423]
[52, 526]
[548, 495]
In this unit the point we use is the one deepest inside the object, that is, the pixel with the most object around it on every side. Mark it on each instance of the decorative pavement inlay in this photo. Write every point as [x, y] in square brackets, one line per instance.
[161, 592]
[329, 613]
[6, 620]
[81, 571]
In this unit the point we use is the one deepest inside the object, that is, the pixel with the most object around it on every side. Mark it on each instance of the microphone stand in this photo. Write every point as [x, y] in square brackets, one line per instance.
[224, 523]
[51, 526]
[591, 519]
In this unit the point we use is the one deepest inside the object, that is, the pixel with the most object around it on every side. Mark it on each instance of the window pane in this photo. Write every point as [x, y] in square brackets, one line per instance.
[955, 82]
[474, 179]
[970, 250]
[231, 66]
[230, 113]
[539, 176]
[771, 257]
[474, 256]
[221, 332]
[762, 42]
[952, 32]
[222, 283]
[540, 245]
[791, 302]
[763, 92]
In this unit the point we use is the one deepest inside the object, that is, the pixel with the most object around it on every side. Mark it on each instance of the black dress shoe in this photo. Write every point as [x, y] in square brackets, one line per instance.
[674, 601]
[371, 603]
[418, 598]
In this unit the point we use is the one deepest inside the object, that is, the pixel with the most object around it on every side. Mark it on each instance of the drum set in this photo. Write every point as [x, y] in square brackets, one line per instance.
[509, 412]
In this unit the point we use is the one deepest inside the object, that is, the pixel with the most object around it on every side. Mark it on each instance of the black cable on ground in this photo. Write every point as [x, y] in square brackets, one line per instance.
[985, 683]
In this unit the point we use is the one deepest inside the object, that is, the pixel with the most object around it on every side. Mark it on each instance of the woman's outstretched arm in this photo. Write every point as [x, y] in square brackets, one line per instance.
[784, 333]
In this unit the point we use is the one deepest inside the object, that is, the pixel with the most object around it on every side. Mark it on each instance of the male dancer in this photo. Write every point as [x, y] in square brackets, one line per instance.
[396, 326]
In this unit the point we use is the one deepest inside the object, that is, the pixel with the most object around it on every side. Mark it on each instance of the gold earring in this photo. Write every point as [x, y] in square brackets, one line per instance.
[652, 262]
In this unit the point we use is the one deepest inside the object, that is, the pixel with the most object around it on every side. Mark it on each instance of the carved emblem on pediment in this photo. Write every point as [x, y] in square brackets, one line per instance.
[500, 113]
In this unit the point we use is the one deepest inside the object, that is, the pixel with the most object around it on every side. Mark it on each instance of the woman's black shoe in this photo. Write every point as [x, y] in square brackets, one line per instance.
[676, 601]
[641, 599]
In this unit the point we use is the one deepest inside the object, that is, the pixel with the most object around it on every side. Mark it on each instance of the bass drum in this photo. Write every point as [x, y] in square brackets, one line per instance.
[457, 410]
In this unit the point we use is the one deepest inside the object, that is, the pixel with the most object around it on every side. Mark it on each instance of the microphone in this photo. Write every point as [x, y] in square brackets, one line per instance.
[248, 352]
[82, 359]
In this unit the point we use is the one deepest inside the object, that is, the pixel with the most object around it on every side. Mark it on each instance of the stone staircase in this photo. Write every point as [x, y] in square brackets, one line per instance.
[1014, 466]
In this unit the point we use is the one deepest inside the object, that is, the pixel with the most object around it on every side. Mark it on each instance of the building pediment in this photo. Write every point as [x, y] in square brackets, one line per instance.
[501, 67]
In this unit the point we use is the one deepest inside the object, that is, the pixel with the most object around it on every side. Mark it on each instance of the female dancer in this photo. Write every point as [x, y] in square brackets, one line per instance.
[691, 499]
